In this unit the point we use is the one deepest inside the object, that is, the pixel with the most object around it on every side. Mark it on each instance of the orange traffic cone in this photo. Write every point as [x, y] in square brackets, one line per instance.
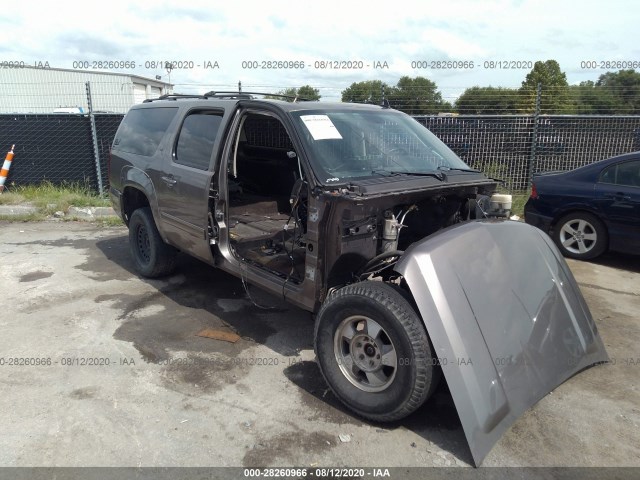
[5, 168]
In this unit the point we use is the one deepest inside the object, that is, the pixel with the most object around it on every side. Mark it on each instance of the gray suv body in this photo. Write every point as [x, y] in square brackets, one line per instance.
[360, 215]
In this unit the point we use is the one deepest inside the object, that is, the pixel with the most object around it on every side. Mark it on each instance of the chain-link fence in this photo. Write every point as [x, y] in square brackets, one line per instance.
[106, 127]
[500, 146]
[49, 147]
[59, 147]
[513, 147]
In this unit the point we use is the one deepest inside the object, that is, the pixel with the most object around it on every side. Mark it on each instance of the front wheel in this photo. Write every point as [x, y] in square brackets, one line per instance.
[580, 235]
[151, 255]
[374, 352]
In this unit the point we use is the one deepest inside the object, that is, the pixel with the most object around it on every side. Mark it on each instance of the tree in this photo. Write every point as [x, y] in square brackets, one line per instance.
[369, 91]
[625, 86]
[547, 73]
[417, 96]
[590, 99]
[309, 93]
[306, 91]
[555, 89]
[488, 100]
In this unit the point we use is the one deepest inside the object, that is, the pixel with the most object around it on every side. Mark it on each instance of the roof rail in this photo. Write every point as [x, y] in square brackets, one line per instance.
[295, 98]
[212, 94]
[173, 96]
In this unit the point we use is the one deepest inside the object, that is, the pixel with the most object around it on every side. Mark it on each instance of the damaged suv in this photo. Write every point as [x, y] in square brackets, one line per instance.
[359, 214]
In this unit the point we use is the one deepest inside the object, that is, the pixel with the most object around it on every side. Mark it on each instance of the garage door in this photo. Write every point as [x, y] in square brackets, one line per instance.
[139, 93]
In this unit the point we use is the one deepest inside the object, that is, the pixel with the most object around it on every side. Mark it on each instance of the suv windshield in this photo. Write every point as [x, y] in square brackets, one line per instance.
[348, 144]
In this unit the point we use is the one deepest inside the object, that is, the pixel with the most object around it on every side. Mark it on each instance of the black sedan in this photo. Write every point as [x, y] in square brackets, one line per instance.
[590, 209]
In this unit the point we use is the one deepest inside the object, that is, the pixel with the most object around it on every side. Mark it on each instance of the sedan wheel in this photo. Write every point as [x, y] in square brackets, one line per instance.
[580, 235]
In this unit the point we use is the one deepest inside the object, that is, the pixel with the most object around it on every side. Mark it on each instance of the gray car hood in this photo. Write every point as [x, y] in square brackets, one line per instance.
[506, 318]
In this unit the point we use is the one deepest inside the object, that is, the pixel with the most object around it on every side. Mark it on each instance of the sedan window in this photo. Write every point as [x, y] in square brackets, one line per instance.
[627, 174]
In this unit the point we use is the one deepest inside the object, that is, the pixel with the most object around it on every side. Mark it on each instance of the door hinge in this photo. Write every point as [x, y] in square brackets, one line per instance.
[212, 231]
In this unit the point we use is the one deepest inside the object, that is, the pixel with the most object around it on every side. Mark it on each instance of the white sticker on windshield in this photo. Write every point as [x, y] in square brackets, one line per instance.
[321, 127]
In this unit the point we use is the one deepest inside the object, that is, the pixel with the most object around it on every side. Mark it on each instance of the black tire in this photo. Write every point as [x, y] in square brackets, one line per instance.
[151, 255]
[580, 235]
[393, 393]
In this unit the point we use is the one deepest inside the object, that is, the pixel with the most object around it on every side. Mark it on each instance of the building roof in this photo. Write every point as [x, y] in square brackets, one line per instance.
[102, 72]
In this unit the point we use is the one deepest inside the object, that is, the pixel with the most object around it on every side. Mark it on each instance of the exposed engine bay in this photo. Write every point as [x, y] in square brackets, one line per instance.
[375, 233]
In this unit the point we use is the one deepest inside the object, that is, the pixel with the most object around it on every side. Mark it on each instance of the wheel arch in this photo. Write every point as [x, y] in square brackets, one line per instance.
[341, 272]
[138, 191]
[132, 199]
[576, 209]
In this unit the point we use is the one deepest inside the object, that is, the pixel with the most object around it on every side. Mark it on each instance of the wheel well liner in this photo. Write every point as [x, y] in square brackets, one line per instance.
[132, 199]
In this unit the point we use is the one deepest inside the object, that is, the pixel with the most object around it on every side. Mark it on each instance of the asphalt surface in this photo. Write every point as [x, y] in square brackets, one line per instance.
[110, 372]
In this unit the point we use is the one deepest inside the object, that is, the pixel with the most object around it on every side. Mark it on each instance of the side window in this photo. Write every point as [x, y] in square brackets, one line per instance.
[627, 174]
[142, 130]
[196, 139]
[609, 174]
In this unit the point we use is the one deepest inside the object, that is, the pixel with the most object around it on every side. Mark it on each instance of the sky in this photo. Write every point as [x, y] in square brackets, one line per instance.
[235, 37]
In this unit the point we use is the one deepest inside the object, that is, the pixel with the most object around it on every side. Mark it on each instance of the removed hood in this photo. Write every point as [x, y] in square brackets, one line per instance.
[506, 319]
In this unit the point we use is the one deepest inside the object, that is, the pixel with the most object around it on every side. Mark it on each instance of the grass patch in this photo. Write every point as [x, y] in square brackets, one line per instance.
[11, 198]
[25, 217]
[519, 199]
[49, 198]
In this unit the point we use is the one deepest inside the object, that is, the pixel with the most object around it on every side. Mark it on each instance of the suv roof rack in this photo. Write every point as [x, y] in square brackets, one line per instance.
[295, 98]
[230, 94]
[173, 96]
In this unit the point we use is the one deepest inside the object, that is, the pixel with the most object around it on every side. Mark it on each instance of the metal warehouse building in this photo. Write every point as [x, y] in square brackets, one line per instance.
[45, 90]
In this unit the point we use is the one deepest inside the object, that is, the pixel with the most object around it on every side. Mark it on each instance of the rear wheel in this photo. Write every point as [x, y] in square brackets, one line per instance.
[151, 255]
[580, 235]
[374, 352]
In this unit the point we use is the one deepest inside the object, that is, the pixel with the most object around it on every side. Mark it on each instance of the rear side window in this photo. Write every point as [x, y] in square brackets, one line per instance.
[142, 130]
[196, 139]
[627, 174]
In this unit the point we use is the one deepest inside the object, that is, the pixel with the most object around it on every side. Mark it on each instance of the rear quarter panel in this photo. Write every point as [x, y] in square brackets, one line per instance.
[561, 194]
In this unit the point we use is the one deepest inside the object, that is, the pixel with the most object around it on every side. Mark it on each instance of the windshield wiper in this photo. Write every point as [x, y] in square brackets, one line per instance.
[447, 168]
[393, 173]
[386, 173]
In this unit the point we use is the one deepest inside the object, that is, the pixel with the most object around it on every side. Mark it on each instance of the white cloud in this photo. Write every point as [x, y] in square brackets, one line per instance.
[396, 32]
